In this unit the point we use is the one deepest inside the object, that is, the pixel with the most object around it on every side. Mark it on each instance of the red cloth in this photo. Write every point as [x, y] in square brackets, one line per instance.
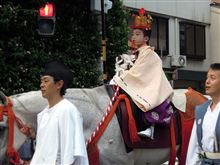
[186, 127]
[193, 98]
[93, 154]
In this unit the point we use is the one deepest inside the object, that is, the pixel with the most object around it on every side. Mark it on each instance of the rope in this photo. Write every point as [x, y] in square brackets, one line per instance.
[11, 152]
[172, 158]
[2, 110]
[7, 111]
[92, 148]
[104, 117]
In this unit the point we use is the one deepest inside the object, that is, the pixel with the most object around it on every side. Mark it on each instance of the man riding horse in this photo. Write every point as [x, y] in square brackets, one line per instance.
[145, 82]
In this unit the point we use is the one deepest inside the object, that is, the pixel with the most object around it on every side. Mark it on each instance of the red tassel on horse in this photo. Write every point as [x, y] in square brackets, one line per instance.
[93, 154]
[1, 112]
[13, 156]
[131, 123]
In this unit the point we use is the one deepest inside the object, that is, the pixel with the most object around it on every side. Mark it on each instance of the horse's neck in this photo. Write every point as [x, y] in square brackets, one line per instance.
[91, 103]
[97, 97]
[27, 105]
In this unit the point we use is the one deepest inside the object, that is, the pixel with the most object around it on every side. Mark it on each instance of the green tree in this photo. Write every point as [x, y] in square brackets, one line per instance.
[77, 42]
[117, 34]
[23, 53]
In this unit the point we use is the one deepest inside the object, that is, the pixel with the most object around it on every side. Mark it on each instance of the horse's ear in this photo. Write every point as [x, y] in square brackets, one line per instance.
[3, 99]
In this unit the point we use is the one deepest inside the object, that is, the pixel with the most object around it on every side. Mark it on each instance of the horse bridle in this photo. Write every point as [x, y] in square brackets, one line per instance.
[6, 110]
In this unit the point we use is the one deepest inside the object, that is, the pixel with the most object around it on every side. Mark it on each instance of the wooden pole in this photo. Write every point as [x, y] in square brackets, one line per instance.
[103, 43]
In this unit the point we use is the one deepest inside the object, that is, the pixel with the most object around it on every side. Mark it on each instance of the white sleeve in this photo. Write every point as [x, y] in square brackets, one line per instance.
[73, 148]
[192, 157]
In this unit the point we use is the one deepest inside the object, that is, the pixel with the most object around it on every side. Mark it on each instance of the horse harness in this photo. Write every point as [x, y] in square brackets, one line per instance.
[92, 148]
[6, 110]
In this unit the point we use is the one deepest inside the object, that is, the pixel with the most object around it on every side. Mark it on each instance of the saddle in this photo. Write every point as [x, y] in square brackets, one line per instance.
[162, 135]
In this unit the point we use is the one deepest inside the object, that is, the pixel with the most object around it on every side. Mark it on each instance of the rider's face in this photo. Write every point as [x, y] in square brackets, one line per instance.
[138, 37]
[212, 86]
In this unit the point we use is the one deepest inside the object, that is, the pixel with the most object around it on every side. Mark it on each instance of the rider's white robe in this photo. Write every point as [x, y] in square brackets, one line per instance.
[145, 82]
[60, 138]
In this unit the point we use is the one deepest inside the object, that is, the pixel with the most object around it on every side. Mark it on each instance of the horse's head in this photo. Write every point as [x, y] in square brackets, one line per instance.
[3, 124]
[25, 107]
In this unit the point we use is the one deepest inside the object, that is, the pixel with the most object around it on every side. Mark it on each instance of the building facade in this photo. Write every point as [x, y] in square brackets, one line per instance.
[184, 35]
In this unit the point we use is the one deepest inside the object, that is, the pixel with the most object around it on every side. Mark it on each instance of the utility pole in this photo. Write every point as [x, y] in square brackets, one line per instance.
[103, 43]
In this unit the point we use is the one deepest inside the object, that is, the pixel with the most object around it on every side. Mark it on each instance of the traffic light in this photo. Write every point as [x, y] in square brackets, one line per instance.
[46, 20]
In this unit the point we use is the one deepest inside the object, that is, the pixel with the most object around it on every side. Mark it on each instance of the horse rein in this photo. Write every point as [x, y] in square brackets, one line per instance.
[6, 110]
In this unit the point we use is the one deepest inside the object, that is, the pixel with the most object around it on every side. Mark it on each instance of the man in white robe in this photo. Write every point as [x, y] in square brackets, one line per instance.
[145, 82]
[60, 139]
[204, 145]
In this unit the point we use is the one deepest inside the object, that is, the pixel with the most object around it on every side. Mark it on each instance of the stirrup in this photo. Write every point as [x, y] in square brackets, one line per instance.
[149, 133]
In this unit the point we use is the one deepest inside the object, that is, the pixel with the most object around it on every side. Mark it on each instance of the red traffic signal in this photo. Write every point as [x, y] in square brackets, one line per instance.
[46, 20]
[47, 10]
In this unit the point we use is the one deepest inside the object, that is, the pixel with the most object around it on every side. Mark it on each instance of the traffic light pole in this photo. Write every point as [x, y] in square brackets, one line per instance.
[103, 43]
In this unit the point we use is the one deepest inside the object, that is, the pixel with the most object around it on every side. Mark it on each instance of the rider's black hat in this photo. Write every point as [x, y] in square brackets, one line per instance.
[59, 71]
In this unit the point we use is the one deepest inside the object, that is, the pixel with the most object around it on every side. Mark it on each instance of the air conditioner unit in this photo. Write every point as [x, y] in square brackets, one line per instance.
[178, 61]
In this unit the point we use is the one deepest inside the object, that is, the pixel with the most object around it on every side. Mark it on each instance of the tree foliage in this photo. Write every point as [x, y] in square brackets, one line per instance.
[77, 42]
[117, 33]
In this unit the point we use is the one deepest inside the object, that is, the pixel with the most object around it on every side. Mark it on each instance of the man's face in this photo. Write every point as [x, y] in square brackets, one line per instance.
[48, 87]
[138, 37]
[212, 84]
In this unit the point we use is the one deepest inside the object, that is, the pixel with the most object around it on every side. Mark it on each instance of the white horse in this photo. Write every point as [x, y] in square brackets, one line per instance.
[92, 104]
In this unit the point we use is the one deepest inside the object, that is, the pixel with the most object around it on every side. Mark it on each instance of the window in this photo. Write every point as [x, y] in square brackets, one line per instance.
[159, 35]
[192, 40]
